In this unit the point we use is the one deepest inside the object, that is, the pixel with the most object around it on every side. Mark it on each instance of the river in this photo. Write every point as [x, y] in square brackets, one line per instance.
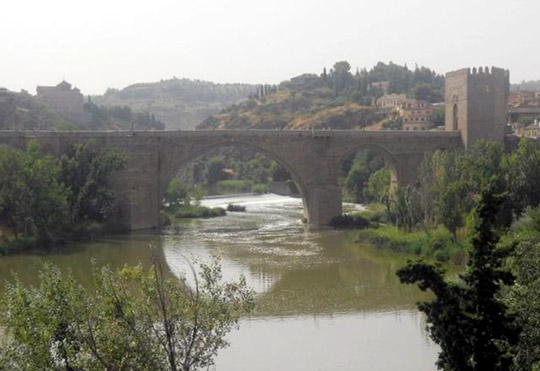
[324, 300]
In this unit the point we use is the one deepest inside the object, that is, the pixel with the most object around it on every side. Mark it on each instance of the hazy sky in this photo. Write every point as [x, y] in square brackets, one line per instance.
[113, 43]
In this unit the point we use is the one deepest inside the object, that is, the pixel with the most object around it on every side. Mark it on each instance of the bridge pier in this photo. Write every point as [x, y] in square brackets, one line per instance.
[322, 203]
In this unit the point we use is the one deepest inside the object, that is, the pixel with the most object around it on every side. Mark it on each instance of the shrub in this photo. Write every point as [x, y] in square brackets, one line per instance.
[349, 221]
[236, 208]
[199, 212]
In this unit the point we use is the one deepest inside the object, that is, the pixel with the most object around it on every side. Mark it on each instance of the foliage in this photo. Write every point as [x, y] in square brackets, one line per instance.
[133, 320]
[349, 221]
[44, 200]
[214, 171]
[33, 200]
[336, 99]
[197, 211]
[85, 171]
[359, 172]
[467, 319]
[176, 195]
[523, 297]
[437, 244]
[236, 208]
[378, 186]
[120, 117]
[438, 116]
[450, 183]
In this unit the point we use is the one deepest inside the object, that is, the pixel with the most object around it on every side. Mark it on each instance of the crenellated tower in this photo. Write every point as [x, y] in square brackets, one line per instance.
[476, 103]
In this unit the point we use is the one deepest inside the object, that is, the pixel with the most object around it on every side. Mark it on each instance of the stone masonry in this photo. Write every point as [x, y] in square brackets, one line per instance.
[312, 157]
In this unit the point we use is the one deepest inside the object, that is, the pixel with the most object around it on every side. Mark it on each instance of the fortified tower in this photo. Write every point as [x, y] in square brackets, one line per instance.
[476, 103]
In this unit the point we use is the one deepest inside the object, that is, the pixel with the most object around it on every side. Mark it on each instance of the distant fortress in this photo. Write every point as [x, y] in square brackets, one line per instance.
[67, 101]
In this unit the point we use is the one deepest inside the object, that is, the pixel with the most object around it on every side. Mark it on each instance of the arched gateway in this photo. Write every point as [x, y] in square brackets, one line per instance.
[312, 157]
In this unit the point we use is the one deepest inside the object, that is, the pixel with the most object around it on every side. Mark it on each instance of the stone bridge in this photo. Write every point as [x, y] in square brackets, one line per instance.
[313, 158]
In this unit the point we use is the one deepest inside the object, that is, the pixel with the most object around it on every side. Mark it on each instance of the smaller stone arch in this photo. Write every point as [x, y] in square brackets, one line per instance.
[387, 156]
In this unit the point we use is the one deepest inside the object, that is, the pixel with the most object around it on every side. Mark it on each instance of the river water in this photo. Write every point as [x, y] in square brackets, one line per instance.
[324, 300]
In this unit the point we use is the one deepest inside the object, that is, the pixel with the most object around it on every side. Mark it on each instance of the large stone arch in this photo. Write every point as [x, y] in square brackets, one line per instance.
[173, 164]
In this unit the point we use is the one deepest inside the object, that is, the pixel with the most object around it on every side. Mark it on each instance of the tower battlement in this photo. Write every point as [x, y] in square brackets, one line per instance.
[476, 103]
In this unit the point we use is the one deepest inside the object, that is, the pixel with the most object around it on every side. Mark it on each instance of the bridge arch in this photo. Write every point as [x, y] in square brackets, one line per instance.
[387, 156]
[173, 164]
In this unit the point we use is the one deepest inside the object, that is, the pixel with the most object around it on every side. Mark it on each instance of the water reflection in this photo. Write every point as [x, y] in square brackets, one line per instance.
[325, 302]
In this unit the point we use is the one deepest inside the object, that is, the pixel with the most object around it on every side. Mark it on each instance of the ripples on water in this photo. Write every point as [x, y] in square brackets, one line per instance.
[324, 301]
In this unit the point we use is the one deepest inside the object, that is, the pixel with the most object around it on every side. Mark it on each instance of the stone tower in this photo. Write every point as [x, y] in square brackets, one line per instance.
[476, 103]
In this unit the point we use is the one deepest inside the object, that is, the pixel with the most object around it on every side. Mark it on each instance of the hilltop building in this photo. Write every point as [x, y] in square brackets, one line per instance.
[390, 102]
[66, 100]
[415, 114]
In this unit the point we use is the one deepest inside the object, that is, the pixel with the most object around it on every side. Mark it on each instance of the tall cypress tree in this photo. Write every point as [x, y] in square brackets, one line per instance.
[468, 321]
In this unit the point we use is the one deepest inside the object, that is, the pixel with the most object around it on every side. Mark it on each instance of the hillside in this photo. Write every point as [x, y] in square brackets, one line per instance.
[22, 111]
[178, 103]
[335, 99]
[526, 85]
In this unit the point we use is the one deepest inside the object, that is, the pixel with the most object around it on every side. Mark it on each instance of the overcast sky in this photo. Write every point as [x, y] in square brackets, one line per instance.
[113, 43]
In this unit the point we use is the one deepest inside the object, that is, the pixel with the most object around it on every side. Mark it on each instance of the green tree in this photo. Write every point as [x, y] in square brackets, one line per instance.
[176, 195]
[86, 171]
[33, 202]
[450, 210]
[523, 297]
[133, 320]
[378, 186]
[467, 318]
[214, 171]
[524, 175]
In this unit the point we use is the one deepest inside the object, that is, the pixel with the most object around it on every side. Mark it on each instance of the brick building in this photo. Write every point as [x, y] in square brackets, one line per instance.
[415, 114]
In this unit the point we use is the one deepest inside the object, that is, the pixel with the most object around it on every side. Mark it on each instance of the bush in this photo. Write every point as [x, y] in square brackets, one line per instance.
[437, 244]
[199, 212]
[233, 186]
[375, 212]
[18, 245]
[132, 319]
[349, 221]
[236, 208]
[260, 188]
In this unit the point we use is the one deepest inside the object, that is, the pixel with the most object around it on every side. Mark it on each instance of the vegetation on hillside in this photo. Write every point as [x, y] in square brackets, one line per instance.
[22, 111]
[178, 103]
[335, 99]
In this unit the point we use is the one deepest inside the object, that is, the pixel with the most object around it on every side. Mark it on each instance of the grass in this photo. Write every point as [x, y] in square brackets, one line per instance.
[437, 244]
